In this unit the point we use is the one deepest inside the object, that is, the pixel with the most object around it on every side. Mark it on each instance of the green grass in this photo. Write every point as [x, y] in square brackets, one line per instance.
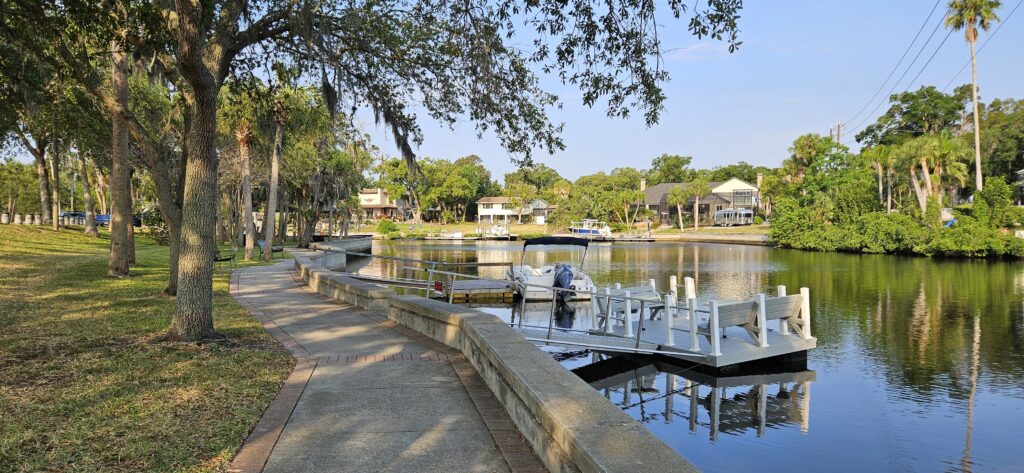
[85, 386]
[744, 230]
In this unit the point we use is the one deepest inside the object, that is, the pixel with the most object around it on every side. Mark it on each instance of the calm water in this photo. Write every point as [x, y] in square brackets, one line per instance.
[919, 365]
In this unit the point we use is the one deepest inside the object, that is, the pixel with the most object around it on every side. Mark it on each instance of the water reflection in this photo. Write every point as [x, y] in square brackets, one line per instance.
[919, 365]
[665, 393]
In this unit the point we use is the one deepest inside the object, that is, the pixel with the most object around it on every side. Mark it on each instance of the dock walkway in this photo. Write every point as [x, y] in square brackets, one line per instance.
[368, 395]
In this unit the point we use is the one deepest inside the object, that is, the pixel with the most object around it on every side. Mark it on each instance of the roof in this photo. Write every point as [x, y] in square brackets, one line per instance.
[372, 191]
[494, 200]
[654, 194]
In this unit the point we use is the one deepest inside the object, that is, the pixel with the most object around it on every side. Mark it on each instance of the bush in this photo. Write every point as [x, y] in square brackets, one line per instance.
[880, 232]
[967, 237]
[386, 226]
[618, 227]
[154, 227]
[758, 220]
[527, 236]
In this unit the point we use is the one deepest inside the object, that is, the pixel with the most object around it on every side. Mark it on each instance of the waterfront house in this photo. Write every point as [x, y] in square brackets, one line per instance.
[733, 193]
[500, 209]
[378, 205]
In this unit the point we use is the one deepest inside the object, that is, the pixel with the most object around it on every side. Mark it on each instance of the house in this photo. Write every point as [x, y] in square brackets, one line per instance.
[734, 193]
[378, 205]
[500, 209]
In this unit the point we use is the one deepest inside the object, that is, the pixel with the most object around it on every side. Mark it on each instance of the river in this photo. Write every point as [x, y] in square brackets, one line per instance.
[919, 365]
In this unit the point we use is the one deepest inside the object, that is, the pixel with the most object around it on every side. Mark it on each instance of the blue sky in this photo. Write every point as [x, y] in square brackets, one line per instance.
[803, 66]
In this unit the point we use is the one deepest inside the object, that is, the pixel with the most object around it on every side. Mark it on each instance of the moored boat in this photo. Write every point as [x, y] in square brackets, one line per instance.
[533, 282]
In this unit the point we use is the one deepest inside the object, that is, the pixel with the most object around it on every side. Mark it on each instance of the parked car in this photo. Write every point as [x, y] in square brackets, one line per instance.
[72, 214]
[104, 220]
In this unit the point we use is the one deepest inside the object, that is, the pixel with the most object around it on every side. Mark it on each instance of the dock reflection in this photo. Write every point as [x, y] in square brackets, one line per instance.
[655, 391]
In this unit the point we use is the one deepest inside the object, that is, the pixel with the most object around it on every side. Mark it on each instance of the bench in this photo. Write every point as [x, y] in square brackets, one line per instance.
[273, 249]
[218, 257]
[612, 304]
[792, 312]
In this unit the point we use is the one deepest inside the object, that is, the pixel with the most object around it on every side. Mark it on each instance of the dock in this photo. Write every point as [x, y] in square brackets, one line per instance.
[640, 320]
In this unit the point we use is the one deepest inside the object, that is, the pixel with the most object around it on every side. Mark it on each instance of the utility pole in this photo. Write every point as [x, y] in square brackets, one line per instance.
[839, 133]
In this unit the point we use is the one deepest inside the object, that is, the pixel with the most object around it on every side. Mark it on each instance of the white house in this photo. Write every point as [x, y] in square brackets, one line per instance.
[500, 209]
[378, 205]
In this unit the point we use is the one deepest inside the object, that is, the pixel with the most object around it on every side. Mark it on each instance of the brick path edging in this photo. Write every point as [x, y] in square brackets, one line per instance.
[252, 456]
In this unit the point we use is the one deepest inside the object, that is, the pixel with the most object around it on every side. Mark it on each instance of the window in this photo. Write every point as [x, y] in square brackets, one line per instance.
[742, 199]
[506, 206]
[485, 206]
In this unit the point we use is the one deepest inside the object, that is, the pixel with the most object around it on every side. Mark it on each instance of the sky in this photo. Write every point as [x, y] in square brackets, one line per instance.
[803, 67]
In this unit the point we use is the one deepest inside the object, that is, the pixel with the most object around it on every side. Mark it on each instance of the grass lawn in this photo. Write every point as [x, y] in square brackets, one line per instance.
[83, 384]
[744, 230]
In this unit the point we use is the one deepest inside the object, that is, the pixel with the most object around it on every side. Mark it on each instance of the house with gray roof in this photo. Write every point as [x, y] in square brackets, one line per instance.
[733, 193]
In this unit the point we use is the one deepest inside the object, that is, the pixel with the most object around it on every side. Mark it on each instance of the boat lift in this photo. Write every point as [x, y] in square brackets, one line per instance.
[639, 319]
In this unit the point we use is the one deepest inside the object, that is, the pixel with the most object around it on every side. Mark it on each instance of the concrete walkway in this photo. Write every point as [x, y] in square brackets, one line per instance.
[367, 394]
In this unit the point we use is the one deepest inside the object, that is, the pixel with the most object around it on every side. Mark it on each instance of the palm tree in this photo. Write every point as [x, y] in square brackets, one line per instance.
[677, 197]
[968, 15]
[698, 188]
[947, 154]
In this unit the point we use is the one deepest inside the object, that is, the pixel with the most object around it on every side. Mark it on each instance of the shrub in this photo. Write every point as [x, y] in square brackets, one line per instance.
[758, 220]
[386, 226]
[967, 237]
[154, 227]
[880, 232]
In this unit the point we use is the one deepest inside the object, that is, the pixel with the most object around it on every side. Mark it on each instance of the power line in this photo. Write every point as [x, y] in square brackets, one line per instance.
[987, 39]
[909, 84]
[898, 63]
[896, 84]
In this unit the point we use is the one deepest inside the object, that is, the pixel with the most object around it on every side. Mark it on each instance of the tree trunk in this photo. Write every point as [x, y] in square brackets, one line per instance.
[679, 215]
[120, 197]
[130, 220]
[193, 318]
[55, 187]
[888, 191]
[44, 182]
[250, 230]
[101, 191]
[978, 182]
[696, 213]
[282, 231]
[275, 167]
[90, 207]
[881, 194]
[927, 178]
[922, 198]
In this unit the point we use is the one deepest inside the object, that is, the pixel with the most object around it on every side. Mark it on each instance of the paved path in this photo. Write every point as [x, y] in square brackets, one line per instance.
[367, 394]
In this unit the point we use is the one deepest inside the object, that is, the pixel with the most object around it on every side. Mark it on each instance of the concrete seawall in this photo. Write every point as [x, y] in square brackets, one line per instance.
[735, 239]
[569, 425]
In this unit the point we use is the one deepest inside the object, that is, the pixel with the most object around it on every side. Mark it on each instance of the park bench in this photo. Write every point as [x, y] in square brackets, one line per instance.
[219, 257]
[753, 317]
[273, 249]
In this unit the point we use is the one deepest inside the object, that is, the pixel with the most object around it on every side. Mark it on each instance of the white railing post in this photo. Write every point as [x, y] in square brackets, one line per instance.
[627, 316]
[762, 321]
[694, 336]
[690, 288]
[607, 310]
[670, 309]
[654, 284]
[783, 323]
[805, 312]
[673, 286]
[716, 340]
[618, 285]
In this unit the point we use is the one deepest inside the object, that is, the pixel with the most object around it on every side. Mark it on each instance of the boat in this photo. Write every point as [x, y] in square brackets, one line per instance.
[532, 281]
[591, 228]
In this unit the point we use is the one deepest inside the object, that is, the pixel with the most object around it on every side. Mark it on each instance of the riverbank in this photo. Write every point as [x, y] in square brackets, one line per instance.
[85, 386]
